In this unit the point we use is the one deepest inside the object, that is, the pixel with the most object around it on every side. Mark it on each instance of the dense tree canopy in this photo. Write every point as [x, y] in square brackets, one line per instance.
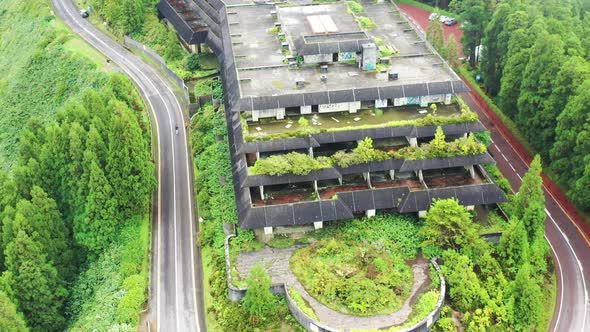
[495, 288]
[535, 60]
[75, 185]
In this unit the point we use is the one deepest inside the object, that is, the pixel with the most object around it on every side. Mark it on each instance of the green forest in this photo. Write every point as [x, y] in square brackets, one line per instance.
[76, 184]
[535, 64]
[504, 287]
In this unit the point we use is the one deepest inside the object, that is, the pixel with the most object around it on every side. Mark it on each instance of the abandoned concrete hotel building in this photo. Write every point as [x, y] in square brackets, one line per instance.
[349, 78]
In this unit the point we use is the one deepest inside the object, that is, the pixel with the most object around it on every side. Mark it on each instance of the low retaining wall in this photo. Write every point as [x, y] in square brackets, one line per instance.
[238, 293]
[160, 62]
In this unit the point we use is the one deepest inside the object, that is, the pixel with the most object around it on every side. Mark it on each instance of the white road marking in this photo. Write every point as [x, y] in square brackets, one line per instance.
[560, 278]
[559, 229]
[509, 164]
[520, 177]
[130, 64]
[579, 267]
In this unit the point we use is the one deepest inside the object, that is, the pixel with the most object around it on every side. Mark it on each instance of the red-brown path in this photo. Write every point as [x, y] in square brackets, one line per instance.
[420, 16]
[567, 232]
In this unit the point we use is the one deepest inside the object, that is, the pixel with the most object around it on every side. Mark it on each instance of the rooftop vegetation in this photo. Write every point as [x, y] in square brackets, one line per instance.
[290, 163]
[366, 23]
[353, 277]
[465, 116]
[302, 164]
[439, 148]
[354, 7]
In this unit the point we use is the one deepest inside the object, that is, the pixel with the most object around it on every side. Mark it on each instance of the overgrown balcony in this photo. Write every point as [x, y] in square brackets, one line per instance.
[291, 126]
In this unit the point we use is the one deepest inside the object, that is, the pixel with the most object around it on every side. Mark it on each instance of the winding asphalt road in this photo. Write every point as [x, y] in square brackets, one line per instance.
[565, 230]
[567, 239]
[176, 302]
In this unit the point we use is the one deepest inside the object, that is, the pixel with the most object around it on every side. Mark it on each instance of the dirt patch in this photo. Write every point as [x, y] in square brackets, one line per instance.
[331, 191]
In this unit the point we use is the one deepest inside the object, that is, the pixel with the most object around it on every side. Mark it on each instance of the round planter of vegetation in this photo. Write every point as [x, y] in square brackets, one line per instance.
[354, 278]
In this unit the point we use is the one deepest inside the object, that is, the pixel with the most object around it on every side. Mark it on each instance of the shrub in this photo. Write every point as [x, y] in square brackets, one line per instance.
[366, 23]
[259, 301]
[290, 163]
[192, 62]
[439, 148]
[132, 302]
[354, 7]
[363, 153]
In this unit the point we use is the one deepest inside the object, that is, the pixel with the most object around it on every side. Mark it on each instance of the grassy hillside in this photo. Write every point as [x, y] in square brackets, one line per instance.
[42, 64]
[45, 68]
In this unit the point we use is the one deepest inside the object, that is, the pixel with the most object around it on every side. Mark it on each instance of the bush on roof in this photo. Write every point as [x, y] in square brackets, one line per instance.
[354, 7]
[363, 153]
[439, 148]
[302, 164]
[290, 163]
[366, 23]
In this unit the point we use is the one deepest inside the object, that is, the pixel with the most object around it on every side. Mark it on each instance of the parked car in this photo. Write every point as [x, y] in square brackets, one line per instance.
[84, 13]
[450, 21]
[443, 18]
[432, 16]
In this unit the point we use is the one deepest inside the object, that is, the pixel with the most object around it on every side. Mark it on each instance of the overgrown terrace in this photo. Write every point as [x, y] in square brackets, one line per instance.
[329, 189]
[291, 126]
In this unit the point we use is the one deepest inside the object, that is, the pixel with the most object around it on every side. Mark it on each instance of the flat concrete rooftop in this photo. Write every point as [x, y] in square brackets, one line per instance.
[261, 66]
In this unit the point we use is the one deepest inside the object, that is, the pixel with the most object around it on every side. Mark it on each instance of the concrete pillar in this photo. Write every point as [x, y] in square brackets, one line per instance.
[471, 171]
[315, 188]
[470, 207]
[423, 101]
[340, 181]
[262, 193]
[448, 99]
[413, 141]
[465, 135]
[255, 115]
[420, 175]
[368, 178]
[380, 103]
[306, 109]
[280, 113]
[354, 106]
[370, 213]
[392, 174]
[262, 235]
[422, 214]
[318, 225]
[310, 151]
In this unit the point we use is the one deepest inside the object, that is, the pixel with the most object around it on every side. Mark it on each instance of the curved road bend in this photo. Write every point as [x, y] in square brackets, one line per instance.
[567, 233]
[568, 241]
[176, 302]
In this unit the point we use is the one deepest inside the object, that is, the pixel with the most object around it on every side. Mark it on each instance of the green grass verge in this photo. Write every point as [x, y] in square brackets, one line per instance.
[550, 289]
[111, 291]
[302, 304]
[426, 7]
[43, 65]
[212, 324]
